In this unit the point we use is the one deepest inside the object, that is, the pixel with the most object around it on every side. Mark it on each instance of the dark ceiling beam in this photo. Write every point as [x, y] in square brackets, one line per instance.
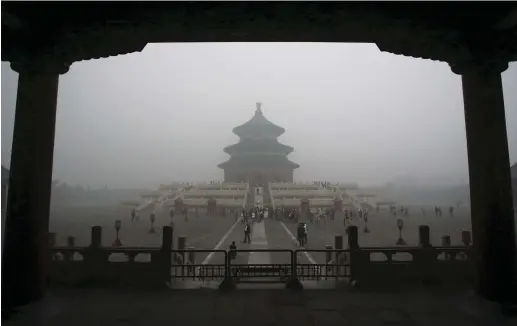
[508, 22]
[11, 21]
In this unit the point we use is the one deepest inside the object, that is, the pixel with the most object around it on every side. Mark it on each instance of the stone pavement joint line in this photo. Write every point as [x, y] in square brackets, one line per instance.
[259, 241]
[221, 242]
[309, 257]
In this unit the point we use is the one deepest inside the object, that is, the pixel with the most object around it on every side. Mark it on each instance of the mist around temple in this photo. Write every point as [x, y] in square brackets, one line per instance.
[352, 114]
[314, 150]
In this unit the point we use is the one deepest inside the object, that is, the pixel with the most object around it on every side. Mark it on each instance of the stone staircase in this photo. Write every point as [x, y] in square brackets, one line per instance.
[246, 196]
[158, 204]
[270, 194]
[354, 200]
[268, 202]
[250, 197]
[258, 199]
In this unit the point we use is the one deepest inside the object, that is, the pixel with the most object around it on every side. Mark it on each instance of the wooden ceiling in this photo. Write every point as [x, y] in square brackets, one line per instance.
[73, 31]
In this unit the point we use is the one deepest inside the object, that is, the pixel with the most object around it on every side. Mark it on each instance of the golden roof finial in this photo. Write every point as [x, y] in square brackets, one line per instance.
[259, 110]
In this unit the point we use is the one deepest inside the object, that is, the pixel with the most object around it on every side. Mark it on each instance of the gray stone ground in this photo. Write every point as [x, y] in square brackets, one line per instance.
[260, 307]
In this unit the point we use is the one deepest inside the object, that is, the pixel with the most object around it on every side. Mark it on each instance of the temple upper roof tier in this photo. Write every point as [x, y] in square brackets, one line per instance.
[253, 145]
[258, 127]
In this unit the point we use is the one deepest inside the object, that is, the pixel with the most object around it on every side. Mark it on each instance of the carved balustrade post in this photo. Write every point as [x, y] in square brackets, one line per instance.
[165, 262]
[356, 260]
[96, 258]
[425, 258]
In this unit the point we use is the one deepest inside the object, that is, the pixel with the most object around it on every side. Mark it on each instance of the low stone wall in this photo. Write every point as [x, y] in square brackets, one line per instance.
[91, 266]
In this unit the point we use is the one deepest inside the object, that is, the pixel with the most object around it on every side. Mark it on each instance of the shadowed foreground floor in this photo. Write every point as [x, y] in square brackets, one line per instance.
[260, 307]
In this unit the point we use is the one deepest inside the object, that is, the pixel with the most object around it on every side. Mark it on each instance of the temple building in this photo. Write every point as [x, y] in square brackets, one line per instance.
[258, 157]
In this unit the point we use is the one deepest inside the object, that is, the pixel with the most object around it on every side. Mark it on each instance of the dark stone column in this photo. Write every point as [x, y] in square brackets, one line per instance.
[25, 250]
[492, 212]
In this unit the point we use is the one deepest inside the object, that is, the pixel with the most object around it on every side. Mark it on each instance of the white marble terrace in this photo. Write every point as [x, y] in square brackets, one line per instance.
[222, 186]
[231, 195]
[290, 194]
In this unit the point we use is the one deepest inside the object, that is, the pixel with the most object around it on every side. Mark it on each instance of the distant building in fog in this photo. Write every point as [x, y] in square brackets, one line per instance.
[258, 157]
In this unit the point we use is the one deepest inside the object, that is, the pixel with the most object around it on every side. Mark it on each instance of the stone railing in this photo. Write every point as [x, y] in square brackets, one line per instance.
[375, 266]
[304, 193]
[214, 193]
[94, 266]
[314, 202]
[169, 199]
[347, 186]
[222, 186]
[98, 266]
[411, 265]
[145, 204]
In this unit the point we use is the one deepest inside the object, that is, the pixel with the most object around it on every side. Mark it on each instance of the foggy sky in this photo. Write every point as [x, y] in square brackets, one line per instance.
[351, 112]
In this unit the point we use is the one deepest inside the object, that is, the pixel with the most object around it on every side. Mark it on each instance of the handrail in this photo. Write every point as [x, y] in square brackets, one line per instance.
[338, 264]
[200, 268]
[176, 196]
[262, 250]
[145, 204]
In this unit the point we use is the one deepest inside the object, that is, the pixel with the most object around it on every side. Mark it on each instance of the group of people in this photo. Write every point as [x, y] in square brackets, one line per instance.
[293, 215]
[360, 213]
[135, 215]
[405, 211]
[438, 211]
[321, 215]
[257, 214]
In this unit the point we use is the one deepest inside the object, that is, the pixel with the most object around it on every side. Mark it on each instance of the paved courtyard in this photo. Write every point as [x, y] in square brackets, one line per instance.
[208, 233]
[202, 232]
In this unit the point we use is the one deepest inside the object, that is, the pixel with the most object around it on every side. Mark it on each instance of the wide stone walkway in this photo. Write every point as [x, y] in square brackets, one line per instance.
[260, 307]
[258, 242]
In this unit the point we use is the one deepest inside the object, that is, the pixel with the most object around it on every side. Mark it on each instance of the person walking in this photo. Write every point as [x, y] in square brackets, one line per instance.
[247, 232]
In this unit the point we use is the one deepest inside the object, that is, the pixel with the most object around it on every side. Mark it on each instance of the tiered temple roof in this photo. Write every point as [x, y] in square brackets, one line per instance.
[258, 127]
[258, 145]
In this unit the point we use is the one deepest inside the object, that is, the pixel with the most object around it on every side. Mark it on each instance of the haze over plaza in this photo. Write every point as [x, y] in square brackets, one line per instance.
[351, 113]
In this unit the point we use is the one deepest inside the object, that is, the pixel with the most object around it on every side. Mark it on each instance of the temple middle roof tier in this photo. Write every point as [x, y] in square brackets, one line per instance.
[251, 145]
[258, 127]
